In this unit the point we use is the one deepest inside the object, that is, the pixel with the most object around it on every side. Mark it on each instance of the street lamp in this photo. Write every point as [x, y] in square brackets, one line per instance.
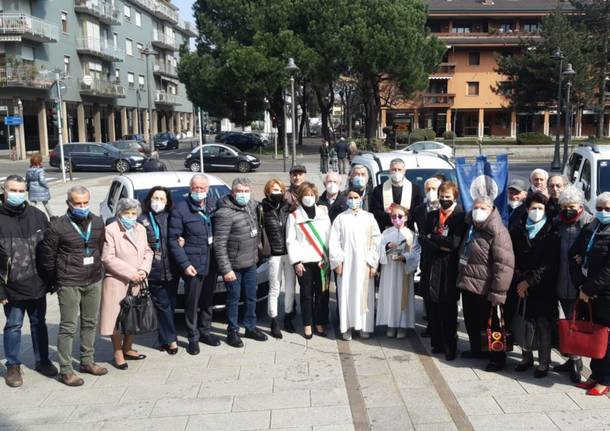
[556, 166]
[148, 52]
[292, 68]
[569, 74]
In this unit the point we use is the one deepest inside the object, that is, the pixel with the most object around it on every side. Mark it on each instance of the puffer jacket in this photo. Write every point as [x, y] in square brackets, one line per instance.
[489, 259]
[62, 252]
[274, 222]
[236, 235]
[568, 233]
[21, 231]
[38, 189]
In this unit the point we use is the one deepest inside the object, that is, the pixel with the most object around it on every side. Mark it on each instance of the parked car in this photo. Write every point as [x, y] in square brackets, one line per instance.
[137, 185]
[430, 147]
[221, 135]
[221, 157]
[166, 141]
[262, 137]
[131, 146]
[244, 141]
[588, 169]
[96, 156]
[134, 137]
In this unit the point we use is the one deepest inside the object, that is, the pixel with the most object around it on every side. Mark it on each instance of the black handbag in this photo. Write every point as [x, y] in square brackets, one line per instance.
[138, 314]
[524, 329]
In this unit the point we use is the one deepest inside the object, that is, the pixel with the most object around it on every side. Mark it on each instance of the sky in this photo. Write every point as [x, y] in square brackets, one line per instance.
[186, 9]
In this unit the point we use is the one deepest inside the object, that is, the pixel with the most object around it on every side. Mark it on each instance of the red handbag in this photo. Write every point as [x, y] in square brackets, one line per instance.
[582, 337]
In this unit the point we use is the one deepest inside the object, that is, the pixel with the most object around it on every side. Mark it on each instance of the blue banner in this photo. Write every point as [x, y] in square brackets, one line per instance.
[484, 179]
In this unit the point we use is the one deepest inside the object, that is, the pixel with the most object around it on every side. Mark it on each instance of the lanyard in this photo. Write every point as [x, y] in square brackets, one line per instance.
[205, 217]
[156, 231]
[84, 236]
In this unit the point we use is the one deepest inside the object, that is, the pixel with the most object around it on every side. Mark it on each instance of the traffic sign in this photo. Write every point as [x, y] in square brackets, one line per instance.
[3, 108]
[13, 120]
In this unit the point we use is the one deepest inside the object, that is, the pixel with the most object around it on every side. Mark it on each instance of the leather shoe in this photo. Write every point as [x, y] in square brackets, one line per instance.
[595, 393]
[541, 372]
[93, 368]
[589, 384]
[46, 368]
[193, 348]
[234, 340]
[72, 379]
[118, 366]
[209, 339]
[256, 334]
[169, 350]
[13, 376]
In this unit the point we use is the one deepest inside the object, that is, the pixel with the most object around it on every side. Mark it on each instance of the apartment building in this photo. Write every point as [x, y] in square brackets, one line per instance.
[98, 48]
[460, 94]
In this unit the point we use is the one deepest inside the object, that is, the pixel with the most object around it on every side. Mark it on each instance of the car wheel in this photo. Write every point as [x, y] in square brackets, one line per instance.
[243, 167]
[122, 166]
[195, 167]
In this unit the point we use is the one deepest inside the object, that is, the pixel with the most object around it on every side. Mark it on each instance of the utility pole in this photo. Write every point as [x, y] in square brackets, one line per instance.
[60, 138]
[200, 140]
[148, 52]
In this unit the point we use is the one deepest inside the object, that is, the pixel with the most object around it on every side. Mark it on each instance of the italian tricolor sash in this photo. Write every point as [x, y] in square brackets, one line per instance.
[315, 240]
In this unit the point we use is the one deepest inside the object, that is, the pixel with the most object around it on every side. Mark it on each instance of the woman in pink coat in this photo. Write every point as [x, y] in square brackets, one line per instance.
[126, 258]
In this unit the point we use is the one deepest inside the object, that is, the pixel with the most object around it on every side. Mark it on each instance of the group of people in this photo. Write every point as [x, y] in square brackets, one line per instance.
[335, 158]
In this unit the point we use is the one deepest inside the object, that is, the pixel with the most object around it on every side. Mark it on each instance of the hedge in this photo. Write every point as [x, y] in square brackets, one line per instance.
[533, 138]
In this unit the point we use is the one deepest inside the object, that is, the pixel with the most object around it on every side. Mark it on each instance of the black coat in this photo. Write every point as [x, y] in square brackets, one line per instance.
[62, 252]
[333, 209]
[516, 216]
[382, 217]
[163, 266]
[597, 281]
[442, 253]
[274, 222]
[419, 217]
[536, 262]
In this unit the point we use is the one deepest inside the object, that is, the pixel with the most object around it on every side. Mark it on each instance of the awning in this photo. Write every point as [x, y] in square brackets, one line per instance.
[440, 77]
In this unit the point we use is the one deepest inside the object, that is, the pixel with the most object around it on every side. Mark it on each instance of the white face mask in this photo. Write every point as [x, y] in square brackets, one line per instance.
[535, 214]
[432, 195]
[332, 188]
[479, 215]
[515, 204]
[309, 201]
[157, 206]
[397, 176]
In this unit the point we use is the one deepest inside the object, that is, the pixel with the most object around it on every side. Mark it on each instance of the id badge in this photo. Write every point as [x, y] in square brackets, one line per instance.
[253, 233]
[585, 271]
[210, 240]
[157, 256]
[88, 260]
[463, 261]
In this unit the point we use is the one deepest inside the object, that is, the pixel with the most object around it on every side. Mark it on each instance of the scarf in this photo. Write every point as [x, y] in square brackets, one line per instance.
[533, 228]
[442, 220]
[572, 220]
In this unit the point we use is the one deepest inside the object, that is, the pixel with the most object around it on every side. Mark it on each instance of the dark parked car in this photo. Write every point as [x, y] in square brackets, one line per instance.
[244, 141]
[221, 157]
[134, 137]
[95, 156]
[222, 135]
[131, 146]
[166, 141]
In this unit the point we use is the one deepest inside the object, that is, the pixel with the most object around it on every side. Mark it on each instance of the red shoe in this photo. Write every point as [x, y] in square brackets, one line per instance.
[589, 384]
[595, 393]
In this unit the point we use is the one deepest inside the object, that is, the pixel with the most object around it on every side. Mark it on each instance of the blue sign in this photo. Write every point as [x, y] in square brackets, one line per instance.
[484, 179]
[13, 120]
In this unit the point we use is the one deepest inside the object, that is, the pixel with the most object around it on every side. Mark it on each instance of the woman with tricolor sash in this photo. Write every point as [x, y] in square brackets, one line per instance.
[307, 234]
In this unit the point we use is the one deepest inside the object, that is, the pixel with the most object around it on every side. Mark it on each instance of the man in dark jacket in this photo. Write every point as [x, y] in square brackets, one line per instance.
[332, 184]
[22, 290]
[191, 220]
[555, 185]
[236, 247]
[341, 149]
[358, 178]
[298, 174]
[71, 261]
[324, 156]
[517, 193]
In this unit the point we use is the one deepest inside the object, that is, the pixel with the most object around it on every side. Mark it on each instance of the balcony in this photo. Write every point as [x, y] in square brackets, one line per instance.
[485, 38]
[99, 48]
[25, 76]
[444, 71]
[165, 98]
[105, 12]
[165, 69]
[165, 12]
[102, 88]
[438, 100]
[187, 28]
[163, 41]
[149, 5]
[17, 26]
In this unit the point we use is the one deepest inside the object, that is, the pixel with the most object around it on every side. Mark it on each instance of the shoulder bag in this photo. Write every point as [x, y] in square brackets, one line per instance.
[138, 314]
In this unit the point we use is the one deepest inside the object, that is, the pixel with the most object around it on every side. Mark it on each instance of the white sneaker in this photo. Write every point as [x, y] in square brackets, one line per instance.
[391, 332]
[365, 335]
[402, 333]
[347, 336]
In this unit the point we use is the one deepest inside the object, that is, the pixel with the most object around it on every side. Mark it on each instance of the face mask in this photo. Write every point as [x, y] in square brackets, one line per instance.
[535, 215]
[515, 204]
[432, 195]
[603, 216]
[199, 196]
[358, 182]
[157, 206]
[398, 222]
[128, 223]
[569, 213]
[479, 215]
[332, 188]
[397, 176]
[79, 212]
[309, 201]
[242, 198]
[445, 203]
[15, 199]
[276, 198]
[353, 203]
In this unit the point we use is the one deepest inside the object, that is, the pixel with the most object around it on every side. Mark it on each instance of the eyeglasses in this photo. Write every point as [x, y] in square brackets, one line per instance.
[397, 216]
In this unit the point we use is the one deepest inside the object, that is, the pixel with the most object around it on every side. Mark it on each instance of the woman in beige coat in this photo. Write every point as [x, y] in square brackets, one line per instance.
[126, 258]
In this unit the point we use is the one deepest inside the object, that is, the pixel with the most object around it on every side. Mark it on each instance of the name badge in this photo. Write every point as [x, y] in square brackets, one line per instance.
[210, 240]
[463, 261]
[88, 260]
[157, 256]
[253, 233]
[585, 271]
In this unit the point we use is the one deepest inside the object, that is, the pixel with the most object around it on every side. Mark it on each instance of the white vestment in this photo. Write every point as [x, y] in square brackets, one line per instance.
[396, 299]
[354, 241]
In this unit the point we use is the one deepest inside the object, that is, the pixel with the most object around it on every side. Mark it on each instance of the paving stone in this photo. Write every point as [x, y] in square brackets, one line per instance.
[82, 395]
[379, 394]
[110, 412]
[275, 400]
[202, 374]
[477, 404]
[334, 428]
[540, 402]
[389, 418]
[587, 402]
[424, 406]
[148, 424]
[486, 387]
[242, 359]
[371, 366]
[63, 427]
[21, 396]
[311, 416]
[189, 406]
[236, 387]
[583, 420]
[442, 426]
[329, 397]
[286, 370]
[26, 415]
[230, 421]
[155, 392]
[513, 422]
[131, 377]
[295, 383]
[552, 383]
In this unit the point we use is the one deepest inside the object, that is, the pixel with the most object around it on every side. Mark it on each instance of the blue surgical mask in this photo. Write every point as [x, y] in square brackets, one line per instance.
[128, 223]
[603, 216]
[80, 212]
[359, 182]
[15, 199]
[354, 203]
[242, 198]
[199, 196]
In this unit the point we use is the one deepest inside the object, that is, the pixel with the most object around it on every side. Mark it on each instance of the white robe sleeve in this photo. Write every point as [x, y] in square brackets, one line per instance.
[372, 256]
[335, 249]
[292, 244]
[412, 258]
[385, 238]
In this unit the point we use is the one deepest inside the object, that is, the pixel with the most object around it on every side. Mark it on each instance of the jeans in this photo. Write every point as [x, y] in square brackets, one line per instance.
[342, 165]
[198, 302]
[280, 269]
[36, 310]
[164, 297]
[314, 302]
[73, 299]
[246, 283]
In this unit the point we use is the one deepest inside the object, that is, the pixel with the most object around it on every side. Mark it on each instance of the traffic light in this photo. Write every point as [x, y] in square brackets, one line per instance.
[274, 121]
[54, 116]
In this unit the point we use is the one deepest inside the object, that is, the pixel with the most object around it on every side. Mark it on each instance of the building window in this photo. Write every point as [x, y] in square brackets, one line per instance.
[64, 22]
[140, 49]
[127, 12]
[66, 64]
[460, 28]
[138, 19]
[117, 75]
[474, 58]
[532, 27]
[505, 28]
[129, 46]
[115, 40]
[473, 88]
[141, 81]
[130, 80]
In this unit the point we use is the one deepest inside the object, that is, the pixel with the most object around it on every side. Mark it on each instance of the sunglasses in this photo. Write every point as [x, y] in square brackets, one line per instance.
[397, 216]
[602, 209]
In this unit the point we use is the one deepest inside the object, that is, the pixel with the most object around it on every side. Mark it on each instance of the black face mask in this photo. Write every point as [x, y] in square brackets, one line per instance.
[569, 213]
[445, 203]
[276, 198]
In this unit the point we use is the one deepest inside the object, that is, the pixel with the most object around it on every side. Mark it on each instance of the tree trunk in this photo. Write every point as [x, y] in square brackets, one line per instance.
[602, 79]
[304, 97]
[325, 109]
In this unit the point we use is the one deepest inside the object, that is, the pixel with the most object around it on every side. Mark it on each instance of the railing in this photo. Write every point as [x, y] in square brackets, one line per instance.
[444, 69]
[100, 47]
[432, 100]
[164, 11]
[166, 69]
[102, 87]
[25, 76]
[166, 41]
[19, 23]
[104, 11]
[165, 97]
[187, 27]
[149, 5]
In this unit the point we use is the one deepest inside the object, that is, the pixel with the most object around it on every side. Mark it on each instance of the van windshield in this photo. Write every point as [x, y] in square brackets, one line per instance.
[419, 176]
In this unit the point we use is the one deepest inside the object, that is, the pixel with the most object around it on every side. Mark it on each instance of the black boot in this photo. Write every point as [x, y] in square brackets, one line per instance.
[275, 329]
[526, 363]
[563, 368]
[576, 370]
[288, 325]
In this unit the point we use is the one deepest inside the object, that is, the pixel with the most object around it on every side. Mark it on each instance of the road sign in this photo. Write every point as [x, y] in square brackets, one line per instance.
[13, 120]
[4, 108]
